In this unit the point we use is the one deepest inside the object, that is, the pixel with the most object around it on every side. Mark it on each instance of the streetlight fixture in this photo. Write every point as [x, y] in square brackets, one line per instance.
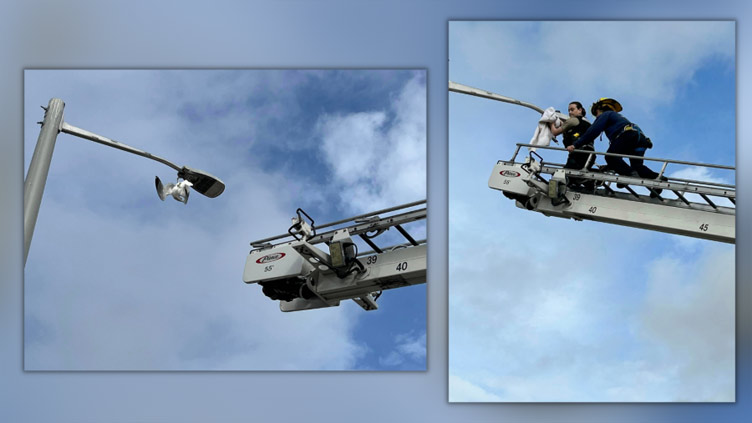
[36, 177]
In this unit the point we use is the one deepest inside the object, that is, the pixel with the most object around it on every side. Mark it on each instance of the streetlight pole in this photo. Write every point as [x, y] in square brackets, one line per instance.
[202, 182]
[36, 178]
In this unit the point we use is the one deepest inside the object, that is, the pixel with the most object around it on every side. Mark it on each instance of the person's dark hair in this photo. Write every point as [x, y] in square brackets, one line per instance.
[579, 106]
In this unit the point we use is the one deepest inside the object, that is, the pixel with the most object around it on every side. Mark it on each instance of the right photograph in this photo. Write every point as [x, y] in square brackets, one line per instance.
[592, 203]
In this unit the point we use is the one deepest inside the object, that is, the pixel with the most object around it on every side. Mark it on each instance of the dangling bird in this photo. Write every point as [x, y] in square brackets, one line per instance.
[179, 191]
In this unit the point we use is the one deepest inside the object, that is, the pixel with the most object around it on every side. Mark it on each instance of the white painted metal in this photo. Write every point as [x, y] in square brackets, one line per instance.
[643, 213]
[388, 270]
[464, 89]
[526, 183]
[301, 268]
[275, 264]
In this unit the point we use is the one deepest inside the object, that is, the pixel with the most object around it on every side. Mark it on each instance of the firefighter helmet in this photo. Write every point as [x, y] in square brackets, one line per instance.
[605, 103]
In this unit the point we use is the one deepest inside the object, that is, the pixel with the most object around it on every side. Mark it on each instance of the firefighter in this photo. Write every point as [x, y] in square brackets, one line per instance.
[624, 136]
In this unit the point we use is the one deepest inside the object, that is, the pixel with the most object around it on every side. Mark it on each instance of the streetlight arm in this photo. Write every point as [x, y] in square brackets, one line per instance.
[464, 89]
[203, 182]
[82, 133]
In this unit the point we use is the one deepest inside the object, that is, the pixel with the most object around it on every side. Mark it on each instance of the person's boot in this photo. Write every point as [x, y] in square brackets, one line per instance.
[623, 185]
[656, 192]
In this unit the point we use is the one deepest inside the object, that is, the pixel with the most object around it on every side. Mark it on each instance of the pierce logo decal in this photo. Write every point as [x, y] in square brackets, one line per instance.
[270, 258]
[509, 173]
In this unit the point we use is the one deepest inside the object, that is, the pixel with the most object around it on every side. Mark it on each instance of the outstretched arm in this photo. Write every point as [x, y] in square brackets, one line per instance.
[595, 129]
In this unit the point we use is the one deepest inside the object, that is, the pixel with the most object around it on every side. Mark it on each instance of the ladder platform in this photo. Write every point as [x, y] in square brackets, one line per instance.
[306, 270]
[552, 190]
[672, 185]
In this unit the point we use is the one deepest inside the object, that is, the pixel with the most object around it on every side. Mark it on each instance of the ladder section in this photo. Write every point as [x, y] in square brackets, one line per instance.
[701, 209]
[307, 269]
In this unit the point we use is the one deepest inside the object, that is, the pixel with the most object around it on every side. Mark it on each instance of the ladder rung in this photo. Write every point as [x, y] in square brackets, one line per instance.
[681, 197]
[655, 194]
[370, 243]
[628, 188]
[405, 234]
[705, 197]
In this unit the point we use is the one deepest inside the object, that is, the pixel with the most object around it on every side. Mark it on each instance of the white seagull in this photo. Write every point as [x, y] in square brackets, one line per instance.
[179, 191]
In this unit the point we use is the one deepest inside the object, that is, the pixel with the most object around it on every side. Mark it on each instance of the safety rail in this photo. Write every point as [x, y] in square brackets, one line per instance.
[678, 186]
[603, 153]
[366, 226]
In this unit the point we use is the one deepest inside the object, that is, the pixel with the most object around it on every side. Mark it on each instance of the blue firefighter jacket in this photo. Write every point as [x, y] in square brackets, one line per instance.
[609, 122]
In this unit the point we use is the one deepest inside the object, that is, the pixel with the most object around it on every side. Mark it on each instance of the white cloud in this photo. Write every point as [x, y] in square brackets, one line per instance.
[379, 157]
[699, 174]
[351, 143]
[536, 328]
[529, 314]
[688, 316]
[646, 62]
[407, 347]
[412, 346]
[461, 390]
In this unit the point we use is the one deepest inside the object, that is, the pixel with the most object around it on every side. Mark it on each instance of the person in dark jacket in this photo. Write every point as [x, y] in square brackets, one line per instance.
[571, 130]
[624, 136]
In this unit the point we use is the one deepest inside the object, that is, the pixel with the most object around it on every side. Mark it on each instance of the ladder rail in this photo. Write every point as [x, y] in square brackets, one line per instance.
[724, 191]
[626, 156]
[702, 219]
[363, 224]
[685, 186]
[694, 181]
[387, 210]
[393, 247]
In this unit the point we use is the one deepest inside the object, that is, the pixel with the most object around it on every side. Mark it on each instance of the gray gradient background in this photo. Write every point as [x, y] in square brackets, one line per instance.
[331, 34]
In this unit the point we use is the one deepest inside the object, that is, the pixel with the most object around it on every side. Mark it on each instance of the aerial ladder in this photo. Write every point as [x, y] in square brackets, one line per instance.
[306, 268]
[695, 208]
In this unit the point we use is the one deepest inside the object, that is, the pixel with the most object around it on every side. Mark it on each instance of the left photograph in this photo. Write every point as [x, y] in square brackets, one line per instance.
[225, 220]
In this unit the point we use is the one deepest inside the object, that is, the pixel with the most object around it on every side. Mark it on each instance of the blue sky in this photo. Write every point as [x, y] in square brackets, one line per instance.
[118, 280]
[546, 309]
